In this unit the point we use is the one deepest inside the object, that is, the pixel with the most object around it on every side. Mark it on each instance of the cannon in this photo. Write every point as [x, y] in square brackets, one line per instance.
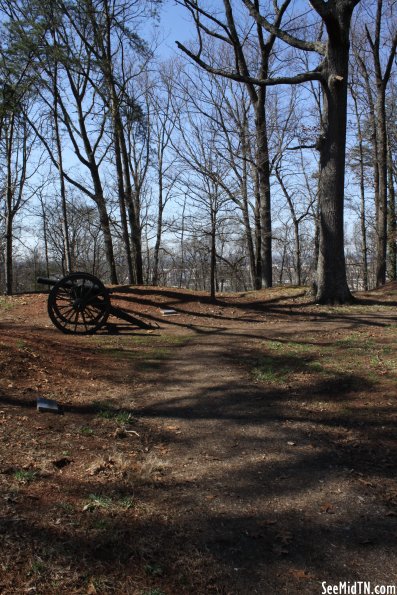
[80, 304]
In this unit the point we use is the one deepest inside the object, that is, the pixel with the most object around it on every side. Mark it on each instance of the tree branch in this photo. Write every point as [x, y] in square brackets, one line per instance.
[308, 46]
[304, 77]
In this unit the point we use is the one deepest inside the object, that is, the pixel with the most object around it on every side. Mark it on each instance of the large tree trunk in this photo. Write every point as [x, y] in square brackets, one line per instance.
[264, 188]
[331, 268]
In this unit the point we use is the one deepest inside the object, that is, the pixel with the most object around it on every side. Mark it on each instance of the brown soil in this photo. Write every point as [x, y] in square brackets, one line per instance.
[246, 446]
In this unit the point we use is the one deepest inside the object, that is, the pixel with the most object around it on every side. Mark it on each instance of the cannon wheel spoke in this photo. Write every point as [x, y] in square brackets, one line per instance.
[79, 304]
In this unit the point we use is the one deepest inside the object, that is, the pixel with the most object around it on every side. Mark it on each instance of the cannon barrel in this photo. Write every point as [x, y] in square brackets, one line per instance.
[47, 281]
[68, 281]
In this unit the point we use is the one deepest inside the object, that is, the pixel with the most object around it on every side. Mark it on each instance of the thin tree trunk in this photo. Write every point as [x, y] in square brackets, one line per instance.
[122, 205]
[381, 215]
[258, 236]
[9, 211]
[65, 227]
[159, 229]
[213, 257]
[256, 283]
[298, 257]
[364, 249]
[392, 224]
[45, 238]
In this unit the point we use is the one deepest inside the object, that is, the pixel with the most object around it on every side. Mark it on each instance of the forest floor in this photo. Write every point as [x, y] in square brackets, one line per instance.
[247, 446]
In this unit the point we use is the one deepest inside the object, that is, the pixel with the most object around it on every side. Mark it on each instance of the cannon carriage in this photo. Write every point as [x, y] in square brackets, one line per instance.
[80, 304]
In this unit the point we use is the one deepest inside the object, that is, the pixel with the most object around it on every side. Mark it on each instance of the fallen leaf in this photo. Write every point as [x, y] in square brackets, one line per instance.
[269, 522]
[280, 550]
[328, 508]
[302, 575]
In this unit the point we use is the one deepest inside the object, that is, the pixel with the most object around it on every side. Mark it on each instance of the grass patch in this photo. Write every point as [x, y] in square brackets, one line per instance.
[120, 416]
[37, 567]
[289, 347]
[113, 504]
[275, 370]
[153, 570]
[25, 476]
[266, 370]
[350, 360]
[66, 507]
[86, 431]
[5, 303]
[95, 501]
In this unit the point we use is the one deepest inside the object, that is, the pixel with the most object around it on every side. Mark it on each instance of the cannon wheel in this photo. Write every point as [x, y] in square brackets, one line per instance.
[79, 304]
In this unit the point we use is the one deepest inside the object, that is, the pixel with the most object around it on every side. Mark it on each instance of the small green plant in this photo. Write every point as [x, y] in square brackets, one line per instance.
[25, 476]
[21, 344]
[119, 416]
[95, 501]
[101, 524]
[86, 431]
[153, 570]
[266, 369]
[5, 304]
[153, 592]
[66, 507]
[37, 567]
[127, 503]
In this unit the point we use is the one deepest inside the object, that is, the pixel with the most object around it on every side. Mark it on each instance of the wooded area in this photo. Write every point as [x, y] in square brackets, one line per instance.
[263, 152]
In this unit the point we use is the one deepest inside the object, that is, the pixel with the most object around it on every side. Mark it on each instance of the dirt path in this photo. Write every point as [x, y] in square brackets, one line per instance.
[258, 493]
[243, 447]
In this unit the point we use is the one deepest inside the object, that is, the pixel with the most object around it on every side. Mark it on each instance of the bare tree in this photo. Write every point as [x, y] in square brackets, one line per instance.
[248, 70]
[376, 81]
[332, 74]
[165, 112]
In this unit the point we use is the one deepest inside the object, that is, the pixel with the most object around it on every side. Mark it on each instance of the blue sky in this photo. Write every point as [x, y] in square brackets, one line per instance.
[175, 25]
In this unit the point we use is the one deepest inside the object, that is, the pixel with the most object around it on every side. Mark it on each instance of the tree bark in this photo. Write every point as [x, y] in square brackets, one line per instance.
[213, 258]
[159, 228]
[363, 223]
[65, 230]
[122, 204]
[264, 189]
[392, 223]
[381, 214]
[332, 284]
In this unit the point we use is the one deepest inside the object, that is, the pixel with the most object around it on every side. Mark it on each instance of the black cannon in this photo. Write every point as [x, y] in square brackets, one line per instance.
[80, 304]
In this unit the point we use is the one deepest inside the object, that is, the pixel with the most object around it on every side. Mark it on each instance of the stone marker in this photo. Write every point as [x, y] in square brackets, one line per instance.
[48, 405]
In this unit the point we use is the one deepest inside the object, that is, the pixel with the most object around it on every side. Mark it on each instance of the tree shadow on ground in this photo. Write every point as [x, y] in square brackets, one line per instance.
[284, 486]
